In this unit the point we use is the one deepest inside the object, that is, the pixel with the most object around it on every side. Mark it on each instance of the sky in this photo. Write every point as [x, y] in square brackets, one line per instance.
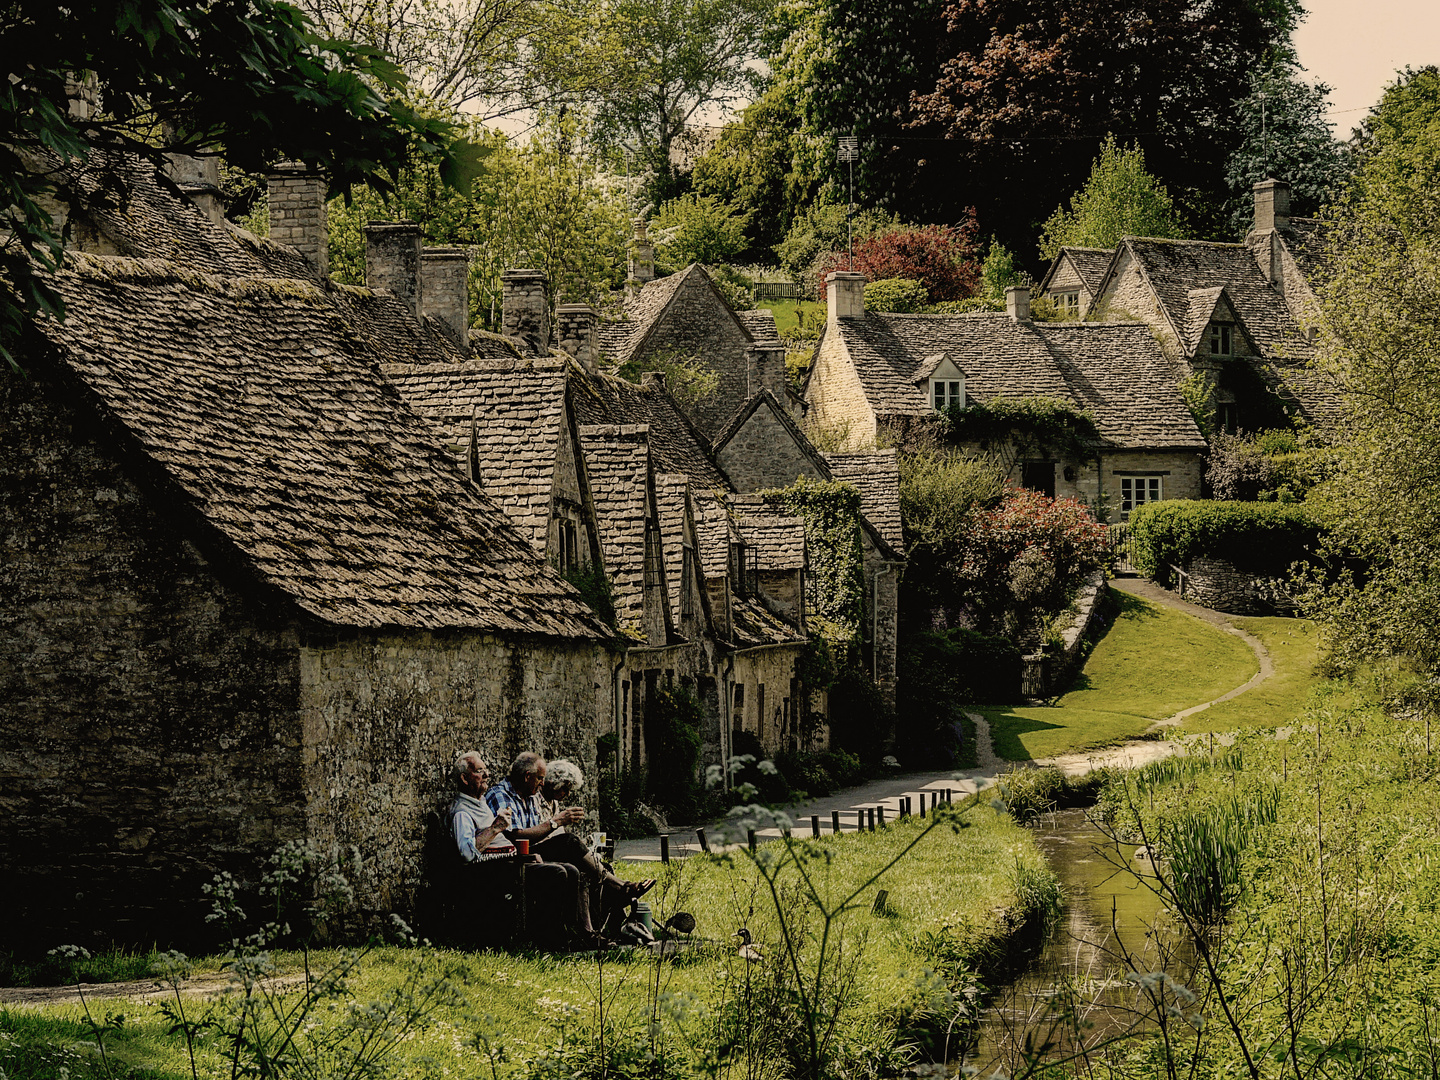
[1356, 46]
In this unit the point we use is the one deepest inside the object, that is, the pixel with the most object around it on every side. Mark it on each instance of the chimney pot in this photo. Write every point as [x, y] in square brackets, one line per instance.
[845, 294]
[575, 334]
[1272, 205]
[199, 179]
[765, 369]
[642, 257]
[297, 212]
[392, 260]
[445, 290]
[526, 309]
[1017, 302]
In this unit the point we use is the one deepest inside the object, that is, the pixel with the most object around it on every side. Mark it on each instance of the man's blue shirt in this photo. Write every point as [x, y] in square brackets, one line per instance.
[524, 809]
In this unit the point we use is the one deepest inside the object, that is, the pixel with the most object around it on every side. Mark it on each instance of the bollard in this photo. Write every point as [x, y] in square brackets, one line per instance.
[704, 844]
[871, 812]
[934, 800]
[880, 813]
[835, 822]
[751, 834]
[922, 804]
[815, 826]
[948, 800]
[664, 849]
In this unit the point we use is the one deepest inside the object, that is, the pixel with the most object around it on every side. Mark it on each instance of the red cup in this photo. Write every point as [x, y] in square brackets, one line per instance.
[522, 846]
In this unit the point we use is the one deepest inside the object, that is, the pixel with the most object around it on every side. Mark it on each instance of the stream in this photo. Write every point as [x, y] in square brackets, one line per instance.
[1074, 994]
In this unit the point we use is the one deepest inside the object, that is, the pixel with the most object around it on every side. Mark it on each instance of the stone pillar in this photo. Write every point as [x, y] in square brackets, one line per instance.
[845, 294]
[392, 260]
[297, 213]
[575, 334]
[445, 290]
[765, 369]
[526, 309]
[1017, 302]
[652, 380]
[199, 179]
[1272, 205]
[642, 257]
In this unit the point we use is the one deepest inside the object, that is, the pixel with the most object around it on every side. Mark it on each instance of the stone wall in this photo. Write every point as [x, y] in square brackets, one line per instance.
[772, 710]
[149, 733]
[385, 715]
[764, 454]
[834, 396]
[392, 260]
[297, 213]
[1220, 586]
[698, 325]
[1181, 476]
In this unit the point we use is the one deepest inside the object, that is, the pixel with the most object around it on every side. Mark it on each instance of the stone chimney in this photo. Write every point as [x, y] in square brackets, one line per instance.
[1272, 205]
[1017, 302]
[575, 334]
[765, 369]
[845, 294]
[199, 179]
[526, 315]
[297, 213]
[642, 257]
[652, 380]
[445, 290]
[392, 260]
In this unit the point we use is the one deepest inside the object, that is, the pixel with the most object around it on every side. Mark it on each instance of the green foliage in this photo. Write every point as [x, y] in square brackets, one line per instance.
[940, 673]
[689, 381]
[1380, 344]
[1029, 793]
[1284, 134]
[998, 272]
[698, 228]
[674, 723]
[735, 286]
[939, 494]
[748, 168]
[186, 77]
[1023, 425]
[1264, 538]
[596, 589]
[62, 969]
[1204, 849]
[831, 511]
[1270, 466]
[1120, 199]
[900, 295]
[820, 229]
[1197, 390]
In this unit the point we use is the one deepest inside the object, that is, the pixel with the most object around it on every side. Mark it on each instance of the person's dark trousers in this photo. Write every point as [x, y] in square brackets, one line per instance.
[607, 893]
[557, 903]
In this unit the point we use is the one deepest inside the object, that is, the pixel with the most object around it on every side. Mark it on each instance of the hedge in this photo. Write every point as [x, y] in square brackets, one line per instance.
[1259, 537]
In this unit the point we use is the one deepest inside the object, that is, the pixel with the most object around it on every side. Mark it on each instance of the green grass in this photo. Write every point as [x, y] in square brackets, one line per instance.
[787, 313]
[530, 1003]
[1294, 647]
[1152, 663]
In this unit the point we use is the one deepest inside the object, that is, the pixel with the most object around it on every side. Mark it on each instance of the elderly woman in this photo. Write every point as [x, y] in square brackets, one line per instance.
[608, 893]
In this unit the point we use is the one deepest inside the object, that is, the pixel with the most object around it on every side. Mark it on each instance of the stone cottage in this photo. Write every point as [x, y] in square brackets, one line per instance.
[1073, 279]
[248, 599]
[875, 372]
[1236, 314]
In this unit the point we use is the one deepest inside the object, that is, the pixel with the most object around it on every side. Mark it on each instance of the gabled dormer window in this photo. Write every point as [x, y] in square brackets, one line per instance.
[947, 392]
[1220, 339]
[1068, 304]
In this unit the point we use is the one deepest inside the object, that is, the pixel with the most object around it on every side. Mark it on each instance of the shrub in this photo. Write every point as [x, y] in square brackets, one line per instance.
[698, 228]
[737, 288]
[1259, 537]
[824, 228]
[896, 295]
[1238, 468]
[941, 257]
[939, 674]
[673, 723]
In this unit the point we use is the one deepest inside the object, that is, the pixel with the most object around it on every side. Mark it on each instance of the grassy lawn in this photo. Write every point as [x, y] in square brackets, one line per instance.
[1151, 664]
[537, 1006]
[787, 313]
[1294, 647]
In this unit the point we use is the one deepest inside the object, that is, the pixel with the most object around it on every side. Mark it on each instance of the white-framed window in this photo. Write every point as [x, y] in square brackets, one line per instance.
[1137, 491]
[1068, 303]
[947, 392]
[1220, 339]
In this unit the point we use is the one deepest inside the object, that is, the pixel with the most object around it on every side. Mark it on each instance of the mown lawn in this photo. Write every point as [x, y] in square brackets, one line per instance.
[787, 313]
[1294, 647]
[531, 1008]
[1152, 663]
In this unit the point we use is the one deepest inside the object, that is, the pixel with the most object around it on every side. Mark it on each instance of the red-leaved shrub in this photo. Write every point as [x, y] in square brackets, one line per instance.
[945, 258]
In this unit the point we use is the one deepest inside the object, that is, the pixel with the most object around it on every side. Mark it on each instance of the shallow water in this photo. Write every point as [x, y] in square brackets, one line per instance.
[1076, 995]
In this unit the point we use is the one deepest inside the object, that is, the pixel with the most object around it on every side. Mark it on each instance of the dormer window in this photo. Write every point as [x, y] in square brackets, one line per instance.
[947, 392]
[1068, 303]
[1220, 339]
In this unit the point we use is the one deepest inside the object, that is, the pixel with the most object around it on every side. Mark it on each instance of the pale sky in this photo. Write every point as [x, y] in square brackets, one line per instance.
[1357, 46]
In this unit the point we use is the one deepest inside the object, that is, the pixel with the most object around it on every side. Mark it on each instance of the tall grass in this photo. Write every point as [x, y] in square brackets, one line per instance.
[1203, 850]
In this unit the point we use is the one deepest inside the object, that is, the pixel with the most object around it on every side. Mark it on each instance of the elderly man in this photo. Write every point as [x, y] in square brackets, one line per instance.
[557, 901]
[538, 818]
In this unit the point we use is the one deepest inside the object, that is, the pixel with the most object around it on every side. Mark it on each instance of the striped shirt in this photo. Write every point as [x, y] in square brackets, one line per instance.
[525, 810]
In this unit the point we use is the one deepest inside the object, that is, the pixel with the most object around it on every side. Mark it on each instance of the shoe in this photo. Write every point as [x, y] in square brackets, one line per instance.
[640, 888]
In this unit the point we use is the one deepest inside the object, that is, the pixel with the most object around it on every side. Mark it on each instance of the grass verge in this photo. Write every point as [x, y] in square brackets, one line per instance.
[1294, 647]
[1152, 663]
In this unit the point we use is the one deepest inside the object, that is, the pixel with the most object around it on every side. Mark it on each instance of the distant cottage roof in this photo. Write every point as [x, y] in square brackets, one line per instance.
[1089, 263]
[773, 542]
[759, 324]
[262, 401]
[617, 459]
[622, 340]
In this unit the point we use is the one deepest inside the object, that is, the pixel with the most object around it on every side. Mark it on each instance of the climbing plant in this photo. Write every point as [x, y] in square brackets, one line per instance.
[1016, 427]
[831, 511]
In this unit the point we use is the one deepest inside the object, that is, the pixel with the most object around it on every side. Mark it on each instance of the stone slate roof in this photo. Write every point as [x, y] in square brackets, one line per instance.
[265, 407]
[518, 407]
[1138, 407]
[617, 461]
[759, 324]
[755, 624]
[671, 491]
[773, 542]
[391, 330]
[677, 446]
[1308, 240]
[620, 339]
[1089, 263]
[1175, 268]
[1118, 372]
[713, 528]
[877, 477]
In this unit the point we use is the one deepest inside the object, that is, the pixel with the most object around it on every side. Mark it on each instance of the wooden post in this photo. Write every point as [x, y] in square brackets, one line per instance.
[751, 834]
[922, 805]
[880, 814]
[835, 822]
[815, 826]
[704, 844]
[664, 849]
[871, 811]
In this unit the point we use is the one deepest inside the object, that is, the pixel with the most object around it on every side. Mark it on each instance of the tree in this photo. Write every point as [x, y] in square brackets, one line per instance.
[1120, 199]
[942, 258]
[751, 167]
[698, 228]
[249, 81]
[1284, 134]
[1380, 343]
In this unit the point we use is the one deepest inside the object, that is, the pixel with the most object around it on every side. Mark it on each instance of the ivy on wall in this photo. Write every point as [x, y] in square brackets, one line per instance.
[1026, 425]
[831, 511]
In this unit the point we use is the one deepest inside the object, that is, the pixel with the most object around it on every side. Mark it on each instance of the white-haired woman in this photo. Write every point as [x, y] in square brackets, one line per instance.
[608, 893]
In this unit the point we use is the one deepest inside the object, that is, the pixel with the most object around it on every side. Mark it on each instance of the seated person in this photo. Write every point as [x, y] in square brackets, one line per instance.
[533, 794]
[556, 900]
